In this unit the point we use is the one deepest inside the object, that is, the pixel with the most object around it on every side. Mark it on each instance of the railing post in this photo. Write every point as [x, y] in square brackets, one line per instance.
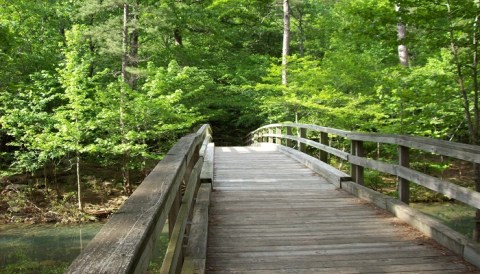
[289, 141]
[324, 141]
[357, 171]
[302, 134]
[172, 215]
[278, 140]
[264, 138]
[270, 132]
[403, 184]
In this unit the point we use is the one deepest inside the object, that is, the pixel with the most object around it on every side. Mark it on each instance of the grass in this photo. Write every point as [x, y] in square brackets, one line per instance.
[457, 216]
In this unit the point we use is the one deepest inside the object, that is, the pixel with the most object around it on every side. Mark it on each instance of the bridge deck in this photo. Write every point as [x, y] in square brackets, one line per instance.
[270, 214]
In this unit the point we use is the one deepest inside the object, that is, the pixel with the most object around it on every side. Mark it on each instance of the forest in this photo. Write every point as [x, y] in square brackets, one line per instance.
[89, 85]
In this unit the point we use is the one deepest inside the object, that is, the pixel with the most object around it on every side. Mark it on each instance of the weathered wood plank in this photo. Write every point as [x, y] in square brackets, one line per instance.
[174, 249]
[451, 190]
[264, 221]
[196, 250]
[207, 169]
[126, 242]
[457, 150]
[334, 175]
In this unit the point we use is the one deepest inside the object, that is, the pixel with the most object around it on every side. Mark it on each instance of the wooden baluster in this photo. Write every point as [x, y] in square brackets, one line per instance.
[278, 131]
[172, 215]
[403, 184]
[289, 141]
[324, 141]
[357, 171]
[302, 134]
[270, 132]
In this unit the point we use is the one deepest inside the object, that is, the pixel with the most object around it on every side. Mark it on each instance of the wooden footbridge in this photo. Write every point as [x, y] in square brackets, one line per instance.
[272, 208]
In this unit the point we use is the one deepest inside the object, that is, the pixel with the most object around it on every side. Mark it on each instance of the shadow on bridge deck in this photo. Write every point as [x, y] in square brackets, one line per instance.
[271, 214]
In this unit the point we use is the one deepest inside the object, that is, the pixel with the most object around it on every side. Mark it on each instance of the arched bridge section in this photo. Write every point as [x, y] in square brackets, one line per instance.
[271, 214]
[278, 206]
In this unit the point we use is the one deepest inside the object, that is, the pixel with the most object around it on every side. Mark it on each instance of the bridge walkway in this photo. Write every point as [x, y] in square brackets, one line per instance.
[271, 214]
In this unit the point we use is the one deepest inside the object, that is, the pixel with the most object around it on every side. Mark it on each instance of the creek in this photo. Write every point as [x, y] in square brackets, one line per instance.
[42, 248]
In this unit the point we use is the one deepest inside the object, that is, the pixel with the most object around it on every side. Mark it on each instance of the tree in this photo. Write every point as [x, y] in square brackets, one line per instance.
[286, 41]
[401, 33]
[75, 119]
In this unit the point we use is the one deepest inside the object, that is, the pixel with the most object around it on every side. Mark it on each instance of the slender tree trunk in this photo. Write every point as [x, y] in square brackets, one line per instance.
[177, 36]
[401, 34]
[126, 80]
[45, 179]
[286, 41]
[476, 126]
[125, 43]
[472, 122]
[133, 58]
[79, 183]
[460, 77]
[476, 113]
[301, 33]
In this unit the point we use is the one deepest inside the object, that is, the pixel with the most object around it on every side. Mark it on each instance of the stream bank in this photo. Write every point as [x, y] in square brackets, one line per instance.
[42, 248]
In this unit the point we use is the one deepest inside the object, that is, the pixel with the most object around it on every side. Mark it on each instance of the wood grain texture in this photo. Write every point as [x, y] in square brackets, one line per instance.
[126, 242]
[269, 214]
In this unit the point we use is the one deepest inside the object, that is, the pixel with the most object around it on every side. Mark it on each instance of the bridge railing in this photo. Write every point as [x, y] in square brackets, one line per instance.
[126, 243]
[284, 134]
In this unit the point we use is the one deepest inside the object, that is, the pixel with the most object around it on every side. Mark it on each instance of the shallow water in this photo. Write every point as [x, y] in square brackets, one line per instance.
[42, 248]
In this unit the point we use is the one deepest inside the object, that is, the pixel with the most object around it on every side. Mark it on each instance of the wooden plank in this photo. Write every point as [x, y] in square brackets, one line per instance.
[206, 175]
[127, 241]
[456, 150]
[403, 184]
[333, 264]
[262, 220]
[173, 255]
[196, 250]
[447, 188]
[323, 147]
[459, 193]
[334, 175]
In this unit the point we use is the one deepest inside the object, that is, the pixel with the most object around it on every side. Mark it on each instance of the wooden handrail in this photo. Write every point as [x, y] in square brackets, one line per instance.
[126, 242]
[358, 160]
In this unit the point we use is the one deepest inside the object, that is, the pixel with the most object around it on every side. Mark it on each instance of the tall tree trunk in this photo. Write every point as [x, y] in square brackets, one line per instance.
[476, 113]
[125, 43]
[133, 58]
[177, 36]
[401, 34]
[460, 77]
[126, 80]
[79, 183]
[476, 126]
[472, 122]
[301, 33]
[286, 41]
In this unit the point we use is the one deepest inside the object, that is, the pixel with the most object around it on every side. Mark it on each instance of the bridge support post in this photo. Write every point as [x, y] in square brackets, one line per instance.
[302, 134]
[270, 138]
[278, 131]
[288, 141]
[324, 141]
[263, 139]
[254, 139]
[403, 184]
[357, 171]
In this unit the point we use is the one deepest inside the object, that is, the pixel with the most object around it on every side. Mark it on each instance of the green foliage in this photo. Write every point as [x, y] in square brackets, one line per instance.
[374, 180]
[422, 100]
[217, 61]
